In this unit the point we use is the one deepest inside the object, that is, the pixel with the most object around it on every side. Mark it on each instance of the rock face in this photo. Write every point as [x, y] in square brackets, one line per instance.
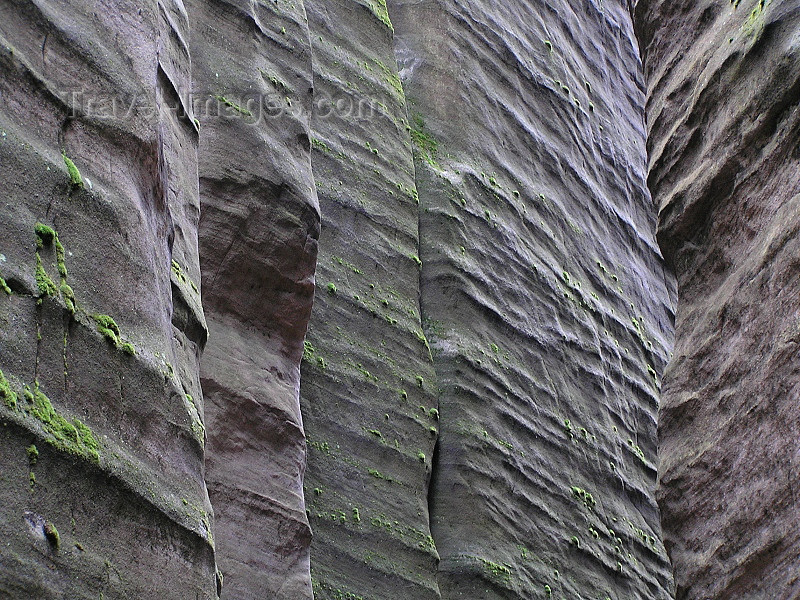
[258, 230]
[463, 192]
[529, 268]
[543, 295]
[101, 325]
[368, 386]
[724, 126]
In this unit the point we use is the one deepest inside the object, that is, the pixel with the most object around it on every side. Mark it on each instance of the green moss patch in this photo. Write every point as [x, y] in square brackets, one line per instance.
[108, 327]
[72, 437]
[425, 143]
[74, 174]
[110, 330]
[379, 9]
[308, 351]
[69, 297]
[46, 285]
[47, 236]
[8, 395]
[51, 533]
[182, 277]
[233, 105]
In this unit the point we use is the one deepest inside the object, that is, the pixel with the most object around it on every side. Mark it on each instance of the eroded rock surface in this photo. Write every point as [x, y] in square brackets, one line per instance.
[101, 328]
[722, 108]
[258, 230]
[492, 317]
[368, 387]
[543, 296]
[538, 284]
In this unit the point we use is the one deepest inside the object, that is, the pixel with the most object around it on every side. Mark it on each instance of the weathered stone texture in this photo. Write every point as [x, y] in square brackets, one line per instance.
[724, 86]
[368, 389]
[258, 230]
[543, 296]
[115, 416]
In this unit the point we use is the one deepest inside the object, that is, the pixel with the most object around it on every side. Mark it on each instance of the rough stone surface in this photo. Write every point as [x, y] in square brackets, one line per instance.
[532, 266]
[467, 184]
[252, 92]
[543, 296]
[368, 386]
[724, 86]
[102, 489]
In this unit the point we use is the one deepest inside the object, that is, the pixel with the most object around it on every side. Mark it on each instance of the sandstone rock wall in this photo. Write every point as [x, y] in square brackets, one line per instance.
[101, 325]
[543, 294]
[530, 263]
[478, 389]
[368, 388]
[251, 65]
[723, 140]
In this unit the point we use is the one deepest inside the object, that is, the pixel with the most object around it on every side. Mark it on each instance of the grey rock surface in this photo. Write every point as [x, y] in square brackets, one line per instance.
[463, 192]
[722, 109]
[544, 297]
[541, 293]
[102, 437]
[368, 389]
[258, 229]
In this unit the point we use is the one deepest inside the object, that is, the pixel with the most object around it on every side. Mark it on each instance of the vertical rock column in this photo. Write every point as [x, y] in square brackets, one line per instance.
[258, 230]
[101, 443]
[544, 297]
[368, 390]
[723, 93]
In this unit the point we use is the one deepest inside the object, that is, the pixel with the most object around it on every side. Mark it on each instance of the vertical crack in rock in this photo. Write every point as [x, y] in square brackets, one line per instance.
[544, 298]
[368, 387]
[724, 131]
[258, 244]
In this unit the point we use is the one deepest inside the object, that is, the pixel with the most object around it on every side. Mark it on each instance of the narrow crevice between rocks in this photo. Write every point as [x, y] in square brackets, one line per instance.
[432, 475]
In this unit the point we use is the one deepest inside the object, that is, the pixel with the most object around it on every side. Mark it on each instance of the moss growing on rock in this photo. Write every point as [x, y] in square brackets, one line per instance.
[61, 260]
[107, 327]
[4, 287]
[8, 395]
[71, 437]
[231, 104]
[380, 10]
[69, 297]
[425, 143]
[308, 351]
[182, 277]
[44, 282]
[45, 235]
[74, 174]
[51, 533]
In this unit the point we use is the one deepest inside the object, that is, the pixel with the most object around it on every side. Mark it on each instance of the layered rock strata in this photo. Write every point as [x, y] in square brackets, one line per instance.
[101, 325]
[724, 128]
